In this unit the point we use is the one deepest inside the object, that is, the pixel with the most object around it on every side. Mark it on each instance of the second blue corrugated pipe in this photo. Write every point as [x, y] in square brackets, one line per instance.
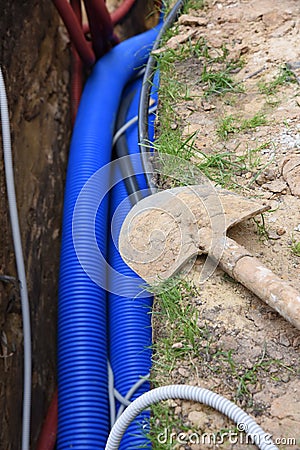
[130, 333]
[83, 417]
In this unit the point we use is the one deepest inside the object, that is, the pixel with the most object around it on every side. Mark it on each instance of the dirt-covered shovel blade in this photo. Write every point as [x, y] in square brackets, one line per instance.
[164, 231]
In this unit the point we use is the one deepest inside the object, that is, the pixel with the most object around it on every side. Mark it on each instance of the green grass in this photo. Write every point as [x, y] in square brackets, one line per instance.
[181, 319]
[200, 49]
[217, 81]
[163, 423]
[270, 88]
[193, 4]
[222, 168]
[241, 377]
[227, 126]
[295, 247]
[257, 120]
[231, 124]
[187, 7]
[261, 227]
[215, 78]
[217, 70]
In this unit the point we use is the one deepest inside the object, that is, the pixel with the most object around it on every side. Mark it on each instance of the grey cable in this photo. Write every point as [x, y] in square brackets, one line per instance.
[114, 393]
[111, 396]
[131, 391]
[12, 203]
[129, 124]
[145, 95]
[194, 393]
[121, 399]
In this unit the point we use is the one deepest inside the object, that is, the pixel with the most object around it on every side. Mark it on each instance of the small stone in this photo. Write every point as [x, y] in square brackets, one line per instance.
[283, 340]
[198, 419]
[207, 106]
[285, 378]
[272, 235]
[173, 126]
[272, 19]
[228, 343]
[283, 29]
[252, 388]
[185, 19]
[275, 186]
[291, 173]
[270, 174]
[296, 341]
[177, 345]
[177, 410]
[280, 231]
[175, 42]
[287, 405]
[171, 403]
[261, 179]
[183, 372]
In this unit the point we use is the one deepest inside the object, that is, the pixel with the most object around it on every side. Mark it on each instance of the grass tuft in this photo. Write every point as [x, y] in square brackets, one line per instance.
[285, 76]
[217, 82]
[261, 227]
[295, 248]
[231, 124]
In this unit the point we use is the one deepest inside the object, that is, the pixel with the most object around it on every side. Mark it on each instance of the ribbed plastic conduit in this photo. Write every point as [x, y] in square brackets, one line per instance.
[130, 334]
[82, 333]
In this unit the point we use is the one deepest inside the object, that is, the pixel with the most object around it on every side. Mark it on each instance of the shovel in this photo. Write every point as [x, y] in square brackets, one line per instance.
[164, 233]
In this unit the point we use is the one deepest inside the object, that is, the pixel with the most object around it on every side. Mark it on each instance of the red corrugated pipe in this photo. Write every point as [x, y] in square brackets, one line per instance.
[77, 66]
[47, 438]
[76, 5]
[75, 31]
[122, 11]
[101, 26]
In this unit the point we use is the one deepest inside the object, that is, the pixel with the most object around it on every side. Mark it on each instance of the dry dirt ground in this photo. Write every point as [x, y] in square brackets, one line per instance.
[260, 349]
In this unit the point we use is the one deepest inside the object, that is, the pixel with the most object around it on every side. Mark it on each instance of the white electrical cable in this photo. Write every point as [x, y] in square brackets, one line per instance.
[184, 392]
[115, 394]
[9, 175]
[131, 391]
[111, 396]
[121, 399]
[128, 125]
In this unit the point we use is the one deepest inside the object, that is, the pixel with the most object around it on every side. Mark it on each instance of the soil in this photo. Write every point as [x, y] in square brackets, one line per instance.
[265, 34]
[35, 62]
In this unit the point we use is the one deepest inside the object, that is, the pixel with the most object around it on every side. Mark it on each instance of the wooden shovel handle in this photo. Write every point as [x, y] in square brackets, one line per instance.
[249, 271]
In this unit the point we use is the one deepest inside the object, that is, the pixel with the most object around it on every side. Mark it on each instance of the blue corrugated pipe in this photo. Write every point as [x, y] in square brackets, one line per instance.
[83, 418]
[130, 334]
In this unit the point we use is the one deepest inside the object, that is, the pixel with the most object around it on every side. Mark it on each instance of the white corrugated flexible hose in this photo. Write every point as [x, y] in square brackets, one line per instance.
[193, 393]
